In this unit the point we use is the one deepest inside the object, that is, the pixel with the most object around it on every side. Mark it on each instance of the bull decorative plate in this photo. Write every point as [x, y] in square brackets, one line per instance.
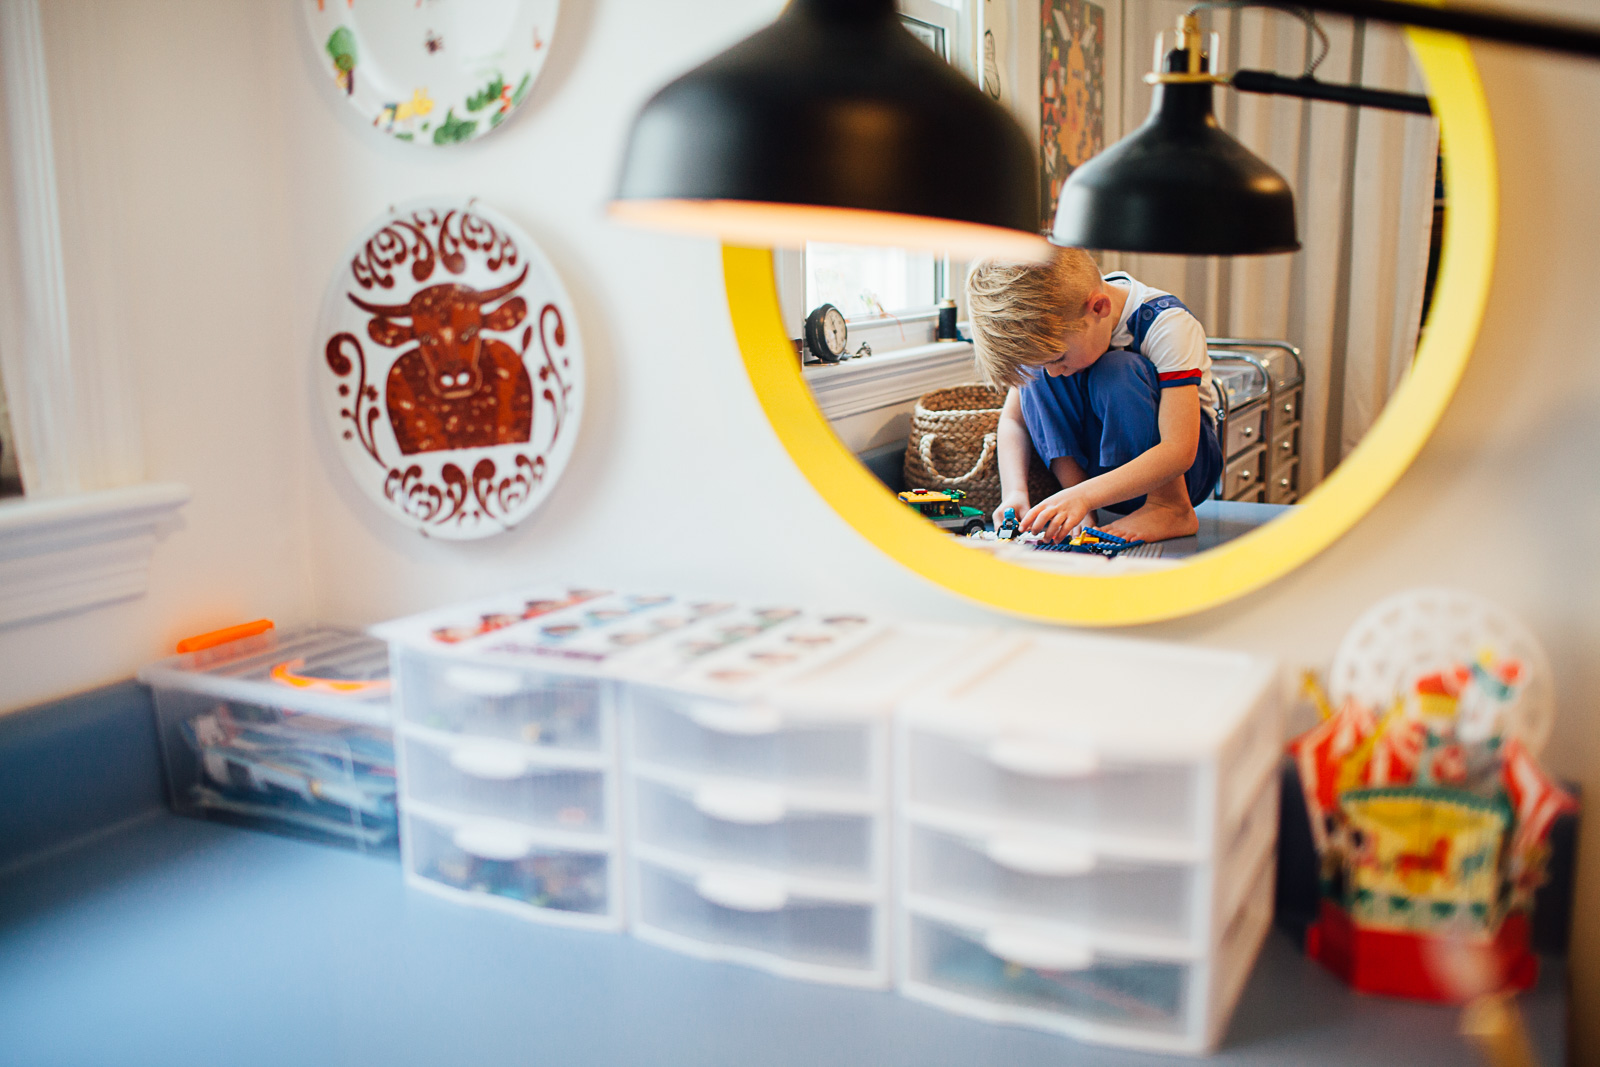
[450, 368]
[432, 71]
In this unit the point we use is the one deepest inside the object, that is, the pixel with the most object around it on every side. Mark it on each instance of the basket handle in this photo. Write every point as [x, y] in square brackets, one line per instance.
[925, 449]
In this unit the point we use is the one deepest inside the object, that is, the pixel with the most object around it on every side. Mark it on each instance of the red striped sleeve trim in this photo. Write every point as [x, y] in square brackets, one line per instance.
[1180, 377]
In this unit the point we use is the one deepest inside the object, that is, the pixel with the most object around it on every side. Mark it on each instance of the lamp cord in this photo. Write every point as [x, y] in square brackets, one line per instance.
[1304, 14]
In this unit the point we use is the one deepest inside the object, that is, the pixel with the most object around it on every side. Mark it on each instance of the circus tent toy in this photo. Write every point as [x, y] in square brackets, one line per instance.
[1430, 812]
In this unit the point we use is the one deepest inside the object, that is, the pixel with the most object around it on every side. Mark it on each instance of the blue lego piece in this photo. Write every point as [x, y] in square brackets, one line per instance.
[1090, 541]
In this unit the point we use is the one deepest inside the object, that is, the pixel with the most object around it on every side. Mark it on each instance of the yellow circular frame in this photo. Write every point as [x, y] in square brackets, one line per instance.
[1239, 566]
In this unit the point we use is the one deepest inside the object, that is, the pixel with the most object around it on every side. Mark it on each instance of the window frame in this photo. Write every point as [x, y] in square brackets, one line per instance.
[83, 532]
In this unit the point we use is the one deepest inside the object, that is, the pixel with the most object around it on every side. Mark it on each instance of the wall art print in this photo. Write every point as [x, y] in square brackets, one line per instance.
[450, 368]
[1072, 93]
[432, 71]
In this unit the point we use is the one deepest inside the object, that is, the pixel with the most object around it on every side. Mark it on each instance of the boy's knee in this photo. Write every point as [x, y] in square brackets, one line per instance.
[1128, 376]
[1119, 363]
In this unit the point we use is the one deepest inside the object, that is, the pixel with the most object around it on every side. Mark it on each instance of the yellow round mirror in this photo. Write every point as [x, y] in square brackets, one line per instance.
[1239, 565]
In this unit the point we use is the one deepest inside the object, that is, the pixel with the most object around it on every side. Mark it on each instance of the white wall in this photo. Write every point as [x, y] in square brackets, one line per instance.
[243, 185]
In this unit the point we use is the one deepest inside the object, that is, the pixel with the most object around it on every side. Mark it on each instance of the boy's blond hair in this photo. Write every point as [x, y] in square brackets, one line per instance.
[1023, 314]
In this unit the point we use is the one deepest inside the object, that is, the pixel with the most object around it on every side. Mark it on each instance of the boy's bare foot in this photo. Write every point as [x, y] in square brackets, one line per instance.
[1157, 521]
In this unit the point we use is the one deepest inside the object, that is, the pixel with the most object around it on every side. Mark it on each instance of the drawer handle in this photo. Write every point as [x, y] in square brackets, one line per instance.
[495, 763]
[1040, 759]
[742, 892]
[482, 682]
[1247, 431]
[744, 721]
[493, 841]
[1030, 948]
[1051, 859]
[1287, 446]
[1246, 477]
[748, 803]
[1283, 483]
[1288, 409]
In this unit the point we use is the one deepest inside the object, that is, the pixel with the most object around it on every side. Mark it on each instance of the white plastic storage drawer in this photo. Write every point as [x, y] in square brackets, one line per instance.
[494, 778]
[1035, 780]
[760, 920]
[1052, 978]
[709, 736]
[755, 824]
[502, 865]
[533, 707]
[1055, 881]
[1028, 967]
[1056, 878]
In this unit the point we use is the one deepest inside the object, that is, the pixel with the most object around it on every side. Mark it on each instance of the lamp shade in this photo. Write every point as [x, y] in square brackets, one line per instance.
[833, 124]
[1178, 184]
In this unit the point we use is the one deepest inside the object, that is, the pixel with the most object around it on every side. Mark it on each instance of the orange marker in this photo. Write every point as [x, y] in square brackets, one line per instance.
[224, 635]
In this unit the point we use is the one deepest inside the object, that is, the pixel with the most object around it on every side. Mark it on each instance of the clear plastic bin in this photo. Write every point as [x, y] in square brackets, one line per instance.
[531, 707]
[746, 917]
[1035, 877]
[1019, 871]
[1028, 968]
[705, 735]
[1034, 780]
[1106, 738]
[1059, 979]
[754, 824]
[282, 731]
[505, 866]
[498, 779]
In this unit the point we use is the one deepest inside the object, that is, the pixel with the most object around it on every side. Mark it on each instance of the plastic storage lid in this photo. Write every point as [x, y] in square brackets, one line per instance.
[701, 644]
[340, 674]
[570, 631]
[871, 677]
[1282, 366]
[1241, 381]
[768, 662]
[1097, 696]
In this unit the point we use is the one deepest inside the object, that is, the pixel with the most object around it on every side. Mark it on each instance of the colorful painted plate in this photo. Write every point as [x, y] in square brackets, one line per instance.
[432, 71]
[450, 367]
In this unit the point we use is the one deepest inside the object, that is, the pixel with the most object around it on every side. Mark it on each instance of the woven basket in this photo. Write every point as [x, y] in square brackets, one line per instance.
[952, 446]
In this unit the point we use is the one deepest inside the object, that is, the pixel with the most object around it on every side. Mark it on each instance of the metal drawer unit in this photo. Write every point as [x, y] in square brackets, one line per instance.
[758, 807]
[1260, 386]
[1094, 859]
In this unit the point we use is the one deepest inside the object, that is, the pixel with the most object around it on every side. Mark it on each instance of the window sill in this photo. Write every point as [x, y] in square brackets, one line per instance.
[67, 553]
[866, 384]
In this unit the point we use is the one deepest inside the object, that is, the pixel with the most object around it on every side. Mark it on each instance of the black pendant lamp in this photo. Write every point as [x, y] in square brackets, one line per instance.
[1179, 183]
[833, 124]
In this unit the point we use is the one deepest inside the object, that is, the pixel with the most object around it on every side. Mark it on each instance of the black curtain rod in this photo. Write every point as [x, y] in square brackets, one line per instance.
[1556, 35]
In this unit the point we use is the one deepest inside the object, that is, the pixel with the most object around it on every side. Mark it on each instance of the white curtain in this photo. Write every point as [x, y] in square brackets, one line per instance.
[1351, 299]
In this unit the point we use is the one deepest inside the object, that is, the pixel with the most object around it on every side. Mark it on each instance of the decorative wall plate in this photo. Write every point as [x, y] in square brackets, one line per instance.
[433, 71]
[450, 368]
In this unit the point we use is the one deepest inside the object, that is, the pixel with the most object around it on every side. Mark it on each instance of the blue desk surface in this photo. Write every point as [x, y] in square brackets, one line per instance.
[180, 942]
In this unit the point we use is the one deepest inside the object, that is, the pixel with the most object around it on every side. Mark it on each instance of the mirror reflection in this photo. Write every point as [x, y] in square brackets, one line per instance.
[1175, 401]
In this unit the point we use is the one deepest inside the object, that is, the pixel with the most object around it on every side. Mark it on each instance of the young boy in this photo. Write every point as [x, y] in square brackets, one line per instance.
[1108, 381]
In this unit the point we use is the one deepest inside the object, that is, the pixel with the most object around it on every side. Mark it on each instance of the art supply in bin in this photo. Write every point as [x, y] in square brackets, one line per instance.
[281, 730]
[326, 776]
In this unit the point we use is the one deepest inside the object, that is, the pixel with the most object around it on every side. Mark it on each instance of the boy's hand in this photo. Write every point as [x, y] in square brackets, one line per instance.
[1056, 516]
